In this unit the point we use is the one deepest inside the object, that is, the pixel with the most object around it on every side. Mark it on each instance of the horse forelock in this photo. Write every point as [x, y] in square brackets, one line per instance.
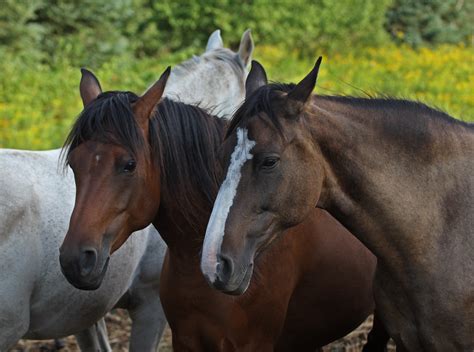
[108, 119]
[261, 101]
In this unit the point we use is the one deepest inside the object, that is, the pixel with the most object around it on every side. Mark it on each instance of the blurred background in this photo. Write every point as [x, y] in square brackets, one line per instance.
[416, 49]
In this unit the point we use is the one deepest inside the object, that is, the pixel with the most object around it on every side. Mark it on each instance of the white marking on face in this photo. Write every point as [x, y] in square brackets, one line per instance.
[97, 158]
[224, 200]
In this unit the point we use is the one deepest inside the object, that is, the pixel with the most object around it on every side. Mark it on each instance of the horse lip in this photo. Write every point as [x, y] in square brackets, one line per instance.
[243, 285]
[87, 285]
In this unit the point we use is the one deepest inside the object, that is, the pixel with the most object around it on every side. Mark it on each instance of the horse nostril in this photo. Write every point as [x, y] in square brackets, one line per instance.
[87, 261]
[225, 268]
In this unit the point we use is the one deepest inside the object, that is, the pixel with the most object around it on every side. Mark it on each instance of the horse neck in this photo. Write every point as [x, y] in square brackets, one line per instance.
[188, 146]
[384, 161]
[183, 239]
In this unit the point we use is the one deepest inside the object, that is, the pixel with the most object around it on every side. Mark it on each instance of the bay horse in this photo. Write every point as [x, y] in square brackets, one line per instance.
[36, 201]
[397, 174]
[138, 162]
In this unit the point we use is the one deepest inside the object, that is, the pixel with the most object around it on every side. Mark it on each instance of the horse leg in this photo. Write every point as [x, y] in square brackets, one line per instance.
[378, 337]
[148, 323]
[94, 338]
[14, 324]
[14, 317]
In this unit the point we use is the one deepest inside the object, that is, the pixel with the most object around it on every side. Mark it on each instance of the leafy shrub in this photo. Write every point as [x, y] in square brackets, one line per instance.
[17, 33]
[431, 21]
[87, 32]
[91, 32]
[297, 24]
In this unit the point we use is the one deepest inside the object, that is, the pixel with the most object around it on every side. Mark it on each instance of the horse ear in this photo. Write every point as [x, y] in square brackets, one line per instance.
[145, 105]
[89, 87]
[215, 41]
[246, 47]
[303, 90]
[256, 78]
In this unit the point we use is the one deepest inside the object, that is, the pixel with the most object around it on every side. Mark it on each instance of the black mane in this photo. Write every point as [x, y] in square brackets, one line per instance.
[183, 138]
[263, 100]
[186, 140]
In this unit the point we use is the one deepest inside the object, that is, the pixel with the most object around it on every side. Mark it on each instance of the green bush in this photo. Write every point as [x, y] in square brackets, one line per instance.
[17, 33]
[86, 32]
[91, 32]
[430, 21]
[308, 27]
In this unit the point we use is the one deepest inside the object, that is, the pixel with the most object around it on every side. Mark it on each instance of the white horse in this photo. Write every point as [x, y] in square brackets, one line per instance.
[36, 301]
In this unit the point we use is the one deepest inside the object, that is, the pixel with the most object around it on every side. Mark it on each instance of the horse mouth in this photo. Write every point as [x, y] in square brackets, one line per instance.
[242, 286]
[90, 282]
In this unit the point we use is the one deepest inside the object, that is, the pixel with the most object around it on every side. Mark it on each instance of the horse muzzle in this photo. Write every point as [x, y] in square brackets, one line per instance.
[229, 278]
[85, 267]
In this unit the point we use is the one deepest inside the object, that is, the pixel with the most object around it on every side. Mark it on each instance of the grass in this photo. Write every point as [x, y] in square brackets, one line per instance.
[38, 103]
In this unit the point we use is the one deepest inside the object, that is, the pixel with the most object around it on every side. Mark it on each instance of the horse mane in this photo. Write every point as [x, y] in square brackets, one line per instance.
[384, 102]
[222, 54]
[262, 100]
[108, 119]
[186, 139]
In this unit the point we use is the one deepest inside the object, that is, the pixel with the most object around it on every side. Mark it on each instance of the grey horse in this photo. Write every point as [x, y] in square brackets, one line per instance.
[36, 200]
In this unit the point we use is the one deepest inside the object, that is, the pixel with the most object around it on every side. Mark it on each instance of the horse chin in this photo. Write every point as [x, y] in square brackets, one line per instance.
[90, 282]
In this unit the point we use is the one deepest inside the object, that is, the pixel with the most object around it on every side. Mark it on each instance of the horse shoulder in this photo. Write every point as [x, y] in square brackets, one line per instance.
[18, 198]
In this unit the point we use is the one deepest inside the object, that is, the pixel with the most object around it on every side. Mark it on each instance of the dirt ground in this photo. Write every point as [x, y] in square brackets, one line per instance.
[118, 324]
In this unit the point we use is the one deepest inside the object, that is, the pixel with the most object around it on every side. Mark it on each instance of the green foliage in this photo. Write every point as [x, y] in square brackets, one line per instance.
[17, 33]
[305, 26]
[431, 21]
[38, 104]
[86, 32]
[90, 32]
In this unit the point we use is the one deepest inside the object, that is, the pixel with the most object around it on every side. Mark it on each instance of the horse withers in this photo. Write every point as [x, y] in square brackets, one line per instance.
[397, 174]
[137, 160]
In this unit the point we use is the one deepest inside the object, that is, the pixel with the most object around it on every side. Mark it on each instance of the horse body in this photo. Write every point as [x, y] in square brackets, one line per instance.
[425, 256]
[35, 300]
[397, 174]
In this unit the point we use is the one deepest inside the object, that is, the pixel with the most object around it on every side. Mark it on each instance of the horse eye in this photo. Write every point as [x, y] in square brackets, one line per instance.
[270, 162]
[130, 166]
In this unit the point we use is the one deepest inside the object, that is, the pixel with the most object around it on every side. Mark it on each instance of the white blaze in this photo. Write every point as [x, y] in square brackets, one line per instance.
[224, 200]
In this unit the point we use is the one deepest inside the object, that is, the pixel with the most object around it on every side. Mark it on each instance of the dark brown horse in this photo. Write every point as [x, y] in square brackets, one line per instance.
[135, 165]
[397, 174]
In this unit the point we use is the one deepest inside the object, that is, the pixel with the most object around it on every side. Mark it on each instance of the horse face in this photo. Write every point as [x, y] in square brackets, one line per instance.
[268, 188]
[271, 182]
[117, 190]
[116, 194]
